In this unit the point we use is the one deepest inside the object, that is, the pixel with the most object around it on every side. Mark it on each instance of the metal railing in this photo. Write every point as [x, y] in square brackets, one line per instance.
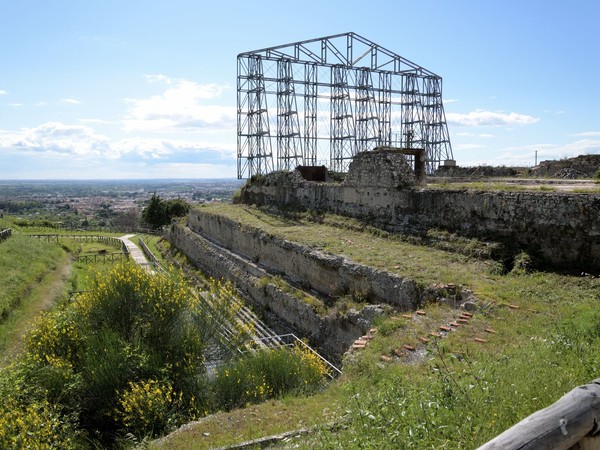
[264, 337]
[153, 259]
[291, 340]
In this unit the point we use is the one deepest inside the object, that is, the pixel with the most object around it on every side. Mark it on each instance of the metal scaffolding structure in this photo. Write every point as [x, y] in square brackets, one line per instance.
[330, 98]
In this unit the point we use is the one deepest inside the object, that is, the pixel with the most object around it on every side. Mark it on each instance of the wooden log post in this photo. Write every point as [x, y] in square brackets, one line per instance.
[573, 422]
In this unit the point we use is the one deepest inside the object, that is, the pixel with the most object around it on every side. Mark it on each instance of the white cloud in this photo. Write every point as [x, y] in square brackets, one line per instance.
[480, 118]
[15, 105]
[181, 107]
[55, 138]
[79, 141]
[3, 92]
[158, 78]
[71, 101]
[525, 155]
[172, 148]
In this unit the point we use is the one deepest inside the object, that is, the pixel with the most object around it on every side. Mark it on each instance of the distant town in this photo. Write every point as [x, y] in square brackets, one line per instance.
[101, 203]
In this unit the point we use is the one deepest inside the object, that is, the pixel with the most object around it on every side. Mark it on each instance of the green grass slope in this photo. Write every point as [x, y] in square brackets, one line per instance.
[26, 264]
[532, 338]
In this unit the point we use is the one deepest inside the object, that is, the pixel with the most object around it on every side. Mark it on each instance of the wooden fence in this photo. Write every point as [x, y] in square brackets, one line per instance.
[151, 257]
[101, 257]
[55, 237]
[573, 422]
[5, 234]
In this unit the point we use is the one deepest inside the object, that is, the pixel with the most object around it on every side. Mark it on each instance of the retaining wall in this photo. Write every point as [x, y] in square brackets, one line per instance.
[561, 229]
[310, 268]
[332, 334]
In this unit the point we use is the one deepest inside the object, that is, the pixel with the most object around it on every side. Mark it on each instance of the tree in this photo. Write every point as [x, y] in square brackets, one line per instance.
[155, 214]
[160, 212]
[177, 207]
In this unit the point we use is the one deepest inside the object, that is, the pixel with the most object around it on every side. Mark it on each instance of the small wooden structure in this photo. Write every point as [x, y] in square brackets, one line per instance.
[573, 422]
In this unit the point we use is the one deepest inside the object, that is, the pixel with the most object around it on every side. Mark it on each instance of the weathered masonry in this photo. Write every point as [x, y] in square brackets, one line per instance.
[561, 229]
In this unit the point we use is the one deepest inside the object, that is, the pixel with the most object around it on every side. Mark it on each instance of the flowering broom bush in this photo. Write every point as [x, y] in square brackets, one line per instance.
[94, 357]
[128, 358]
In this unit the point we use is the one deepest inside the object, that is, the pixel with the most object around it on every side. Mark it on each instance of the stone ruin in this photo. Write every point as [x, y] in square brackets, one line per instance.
[383, 167]
[582, 166]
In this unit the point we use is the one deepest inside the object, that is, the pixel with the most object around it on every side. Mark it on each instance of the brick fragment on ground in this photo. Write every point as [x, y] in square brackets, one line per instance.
[490, 330]
[445, 328]
[424, 340]
[420, 312]
[408, 347]
[480, 340]
[385, 358]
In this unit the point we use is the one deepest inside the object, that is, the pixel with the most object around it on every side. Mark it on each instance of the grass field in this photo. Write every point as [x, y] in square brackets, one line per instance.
[29, 267]
[34, 275]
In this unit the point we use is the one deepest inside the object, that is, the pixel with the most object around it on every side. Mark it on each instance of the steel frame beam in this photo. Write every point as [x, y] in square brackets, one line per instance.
[331, 97]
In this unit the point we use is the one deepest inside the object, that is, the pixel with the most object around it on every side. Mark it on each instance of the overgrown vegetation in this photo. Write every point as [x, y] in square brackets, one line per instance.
[127, 358]
[455, 392]
[441, 183]
[160, 212]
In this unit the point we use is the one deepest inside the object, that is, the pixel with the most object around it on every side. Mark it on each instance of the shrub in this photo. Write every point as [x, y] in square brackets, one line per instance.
[522, 264]
[88, 358]
[265, 374]
[146, 408]
[35, 425]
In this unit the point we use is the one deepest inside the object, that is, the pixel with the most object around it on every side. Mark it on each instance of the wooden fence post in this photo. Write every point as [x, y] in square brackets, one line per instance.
[574, 420]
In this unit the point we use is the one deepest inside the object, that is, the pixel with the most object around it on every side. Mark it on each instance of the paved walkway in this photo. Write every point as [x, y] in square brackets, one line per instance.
[136, 253]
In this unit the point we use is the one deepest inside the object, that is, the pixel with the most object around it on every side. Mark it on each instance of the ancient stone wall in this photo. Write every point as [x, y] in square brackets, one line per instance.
[324, 273]
[332, 333]
[381, 168]
[561, 229]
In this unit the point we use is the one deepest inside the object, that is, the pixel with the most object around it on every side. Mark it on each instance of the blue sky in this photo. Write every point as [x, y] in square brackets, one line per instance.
[146, 89]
